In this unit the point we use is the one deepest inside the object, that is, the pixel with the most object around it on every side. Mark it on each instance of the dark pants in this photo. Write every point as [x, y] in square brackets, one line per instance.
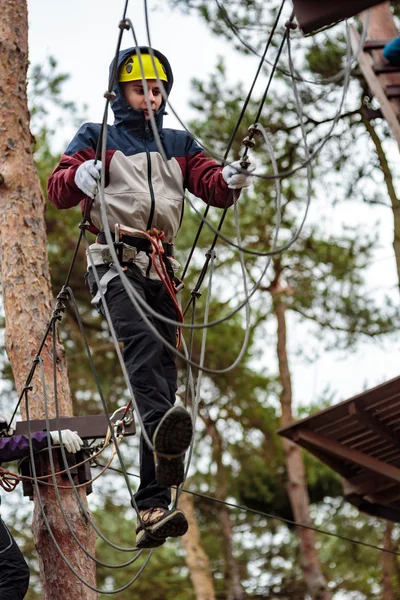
[150, 365]
[14, 572]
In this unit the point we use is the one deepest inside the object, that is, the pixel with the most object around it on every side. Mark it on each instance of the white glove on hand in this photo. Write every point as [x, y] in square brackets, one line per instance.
[236, 180]
[6, 418]
[86, 177]
[70, 439]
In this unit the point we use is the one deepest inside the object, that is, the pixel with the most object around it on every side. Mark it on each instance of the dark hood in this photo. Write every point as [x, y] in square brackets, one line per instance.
[125, 114]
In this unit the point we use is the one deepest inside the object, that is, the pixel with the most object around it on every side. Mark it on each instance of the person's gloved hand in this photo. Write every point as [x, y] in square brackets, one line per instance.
[6, 418]
[234, 178]
[87, 176]
[70, 439]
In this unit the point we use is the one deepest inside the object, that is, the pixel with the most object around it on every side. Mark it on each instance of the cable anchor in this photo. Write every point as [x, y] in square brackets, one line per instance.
[249, 142]
[109, 95]
[60, 308]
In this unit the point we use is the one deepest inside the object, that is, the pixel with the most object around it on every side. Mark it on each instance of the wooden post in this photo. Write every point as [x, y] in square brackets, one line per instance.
[28, 301]
[314, 14]
[381, 27]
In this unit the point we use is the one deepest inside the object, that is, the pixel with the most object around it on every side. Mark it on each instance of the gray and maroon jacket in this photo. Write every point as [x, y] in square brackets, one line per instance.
[142, 191]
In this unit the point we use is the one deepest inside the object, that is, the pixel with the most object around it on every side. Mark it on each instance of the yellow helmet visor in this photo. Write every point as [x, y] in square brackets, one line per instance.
[130, 70]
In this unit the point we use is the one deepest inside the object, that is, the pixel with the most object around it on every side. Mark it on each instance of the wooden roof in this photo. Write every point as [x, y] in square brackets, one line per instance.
[360, 439]
[316, 14]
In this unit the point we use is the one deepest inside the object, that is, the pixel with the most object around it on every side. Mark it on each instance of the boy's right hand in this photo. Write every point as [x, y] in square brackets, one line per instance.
[86, 177]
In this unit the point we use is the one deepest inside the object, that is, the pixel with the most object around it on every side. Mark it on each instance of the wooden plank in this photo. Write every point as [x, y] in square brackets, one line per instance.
[392, 91]
[380, 68]
[374, 397]
[373, 423]
[359, 458]
[315, 14]
[376, 44]
[332, 462]
[367, 68]
[385, 497]
[88, 427]
[366, 484]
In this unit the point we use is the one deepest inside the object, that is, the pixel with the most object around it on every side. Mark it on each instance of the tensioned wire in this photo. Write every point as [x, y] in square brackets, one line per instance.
[202, 217]
[126, 283]
[105, 409]
[322, 81]
[141, 301]
[48, 526]
[307, 162]
[105, 225]
[66, 466]
[260, 513]
[109, 239]
[152, 327]
[283, 174]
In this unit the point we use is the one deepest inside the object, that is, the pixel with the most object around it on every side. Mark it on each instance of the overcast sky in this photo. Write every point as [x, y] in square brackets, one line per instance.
[82, 36]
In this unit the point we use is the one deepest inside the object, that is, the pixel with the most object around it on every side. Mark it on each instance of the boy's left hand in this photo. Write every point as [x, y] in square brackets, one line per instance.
[237, 179]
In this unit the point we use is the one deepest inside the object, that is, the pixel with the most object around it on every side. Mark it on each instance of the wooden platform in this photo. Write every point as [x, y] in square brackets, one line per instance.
[313, 15]
[383, 80]
[360, 439]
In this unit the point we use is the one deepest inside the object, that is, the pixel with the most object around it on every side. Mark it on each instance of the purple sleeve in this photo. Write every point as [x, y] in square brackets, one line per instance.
[17, 446]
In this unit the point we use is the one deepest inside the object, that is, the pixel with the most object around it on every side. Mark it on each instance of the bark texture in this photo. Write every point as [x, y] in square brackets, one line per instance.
[296, 484]
[27, 296]
[390, 186]
[387, 564]
[196, 558]
[232, 572]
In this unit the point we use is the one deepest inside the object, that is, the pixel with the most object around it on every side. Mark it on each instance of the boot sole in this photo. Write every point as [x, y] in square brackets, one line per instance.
[174, 524]
[171, 440]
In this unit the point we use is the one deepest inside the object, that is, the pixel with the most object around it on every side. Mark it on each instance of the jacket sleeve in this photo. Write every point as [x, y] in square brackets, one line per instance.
[61, 187]
[392, 52]
[204, 178]
[17, 446]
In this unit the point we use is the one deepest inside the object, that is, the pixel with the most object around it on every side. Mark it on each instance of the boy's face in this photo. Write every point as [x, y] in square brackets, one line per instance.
[135, 96]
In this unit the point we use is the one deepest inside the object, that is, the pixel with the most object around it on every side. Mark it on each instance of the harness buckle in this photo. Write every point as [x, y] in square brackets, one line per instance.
[125, 253]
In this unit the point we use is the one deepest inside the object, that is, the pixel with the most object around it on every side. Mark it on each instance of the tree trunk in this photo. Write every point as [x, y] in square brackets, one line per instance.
[297, 485]
[232, 574]
[196, 558]
[387, 564]
[388, 178]
[28, 299]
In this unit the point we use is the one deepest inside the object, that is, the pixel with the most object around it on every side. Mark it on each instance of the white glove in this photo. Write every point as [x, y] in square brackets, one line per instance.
[236, 180]
[6, 418]
[70, 439]
[86, 177]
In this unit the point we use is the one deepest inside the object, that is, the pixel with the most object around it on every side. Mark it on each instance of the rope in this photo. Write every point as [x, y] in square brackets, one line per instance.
[260, 513]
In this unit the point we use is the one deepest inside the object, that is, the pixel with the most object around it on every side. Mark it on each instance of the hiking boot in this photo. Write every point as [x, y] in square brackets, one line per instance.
[171, 440]
[158, 524]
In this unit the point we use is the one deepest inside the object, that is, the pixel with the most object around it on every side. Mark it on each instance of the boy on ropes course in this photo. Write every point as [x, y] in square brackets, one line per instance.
[145, 194]
[14, 572]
